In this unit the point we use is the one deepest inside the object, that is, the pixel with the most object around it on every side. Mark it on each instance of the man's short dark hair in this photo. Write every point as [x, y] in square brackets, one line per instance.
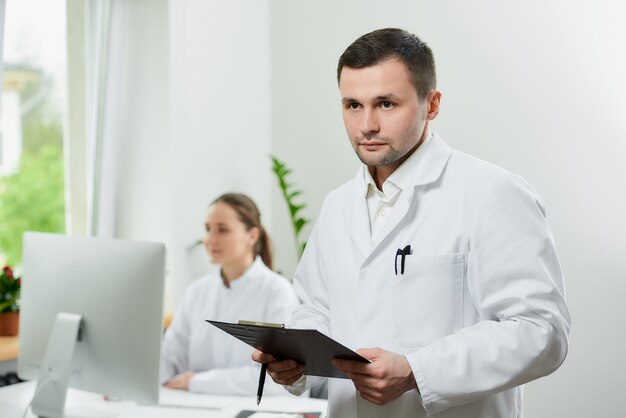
[383, 44]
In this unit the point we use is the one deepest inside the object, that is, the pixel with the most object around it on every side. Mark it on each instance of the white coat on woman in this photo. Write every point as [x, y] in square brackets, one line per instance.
[479, 309]
[221, 363]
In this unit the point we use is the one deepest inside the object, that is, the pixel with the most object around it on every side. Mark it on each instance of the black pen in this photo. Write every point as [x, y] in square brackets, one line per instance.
[259, 391]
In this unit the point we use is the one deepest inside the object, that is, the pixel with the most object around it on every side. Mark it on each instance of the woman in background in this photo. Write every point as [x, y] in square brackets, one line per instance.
[199, 357]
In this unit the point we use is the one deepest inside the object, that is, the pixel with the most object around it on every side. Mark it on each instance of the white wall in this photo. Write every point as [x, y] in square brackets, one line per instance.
[537, 87]
[189, 119]
[221, 125]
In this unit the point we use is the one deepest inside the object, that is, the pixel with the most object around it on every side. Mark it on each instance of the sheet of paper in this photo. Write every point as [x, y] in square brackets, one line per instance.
[183, 399]
[275, 415]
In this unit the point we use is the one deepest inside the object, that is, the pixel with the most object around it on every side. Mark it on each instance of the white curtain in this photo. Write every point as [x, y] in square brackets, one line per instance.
[88, 27]
[94, 36]
[102, 179]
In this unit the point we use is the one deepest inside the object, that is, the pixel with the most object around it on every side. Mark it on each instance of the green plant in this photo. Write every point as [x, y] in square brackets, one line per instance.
[289, 194]
[10, 288]
[31, 200]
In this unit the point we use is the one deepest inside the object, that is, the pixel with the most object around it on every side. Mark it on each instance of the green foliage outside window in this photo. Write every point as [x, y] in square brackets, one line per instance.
[32, 199]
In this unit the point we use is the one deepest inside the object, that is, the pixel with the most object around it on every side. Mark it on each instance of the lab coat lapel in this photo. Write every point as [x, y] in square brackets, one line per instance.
[428, 171]
[357, 217]
[356, 214]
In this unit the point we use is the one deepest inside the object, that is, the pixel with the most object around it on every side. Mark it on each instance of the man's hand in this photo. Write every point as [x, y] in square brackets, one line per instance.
[285, 372]
[383, 380]
[180, 381]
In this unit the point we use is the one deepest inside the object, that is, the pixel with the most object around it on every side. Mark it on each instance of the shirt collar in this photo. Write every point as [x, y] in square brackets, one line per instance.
[250, 272]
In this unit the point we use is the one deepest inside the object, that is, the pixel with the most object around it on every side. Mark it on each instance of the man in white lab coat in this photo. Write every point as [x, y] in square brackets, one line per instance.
[439, 266]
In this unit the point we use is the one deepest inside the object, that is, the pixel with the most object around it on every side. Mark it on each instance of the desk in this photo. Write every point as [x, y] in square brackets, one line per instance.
[8, 354]
[9, 348]
[14, 398]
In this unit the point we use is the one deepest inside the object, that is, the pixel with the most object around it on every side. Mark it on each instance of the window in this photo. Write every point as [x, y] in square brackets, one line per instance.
[31, 123]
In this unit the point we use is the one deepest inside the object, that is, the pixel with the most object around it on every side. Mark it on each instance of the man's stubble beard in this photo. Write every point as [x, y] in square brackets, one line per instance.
[389, 157]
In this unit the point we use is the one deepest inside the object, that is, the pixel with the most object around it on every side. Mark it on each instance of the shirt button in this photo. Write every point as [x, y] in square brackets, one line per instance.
[383, 212]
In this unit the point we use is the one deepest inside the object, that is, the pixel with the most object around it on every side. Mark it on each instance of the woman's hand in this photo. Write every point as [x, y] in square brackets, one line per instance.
[180, 381]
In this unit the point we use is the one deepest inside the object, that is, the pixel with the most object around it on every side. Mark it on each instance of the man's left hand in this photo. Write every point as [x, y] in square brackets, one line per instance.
[383, 380]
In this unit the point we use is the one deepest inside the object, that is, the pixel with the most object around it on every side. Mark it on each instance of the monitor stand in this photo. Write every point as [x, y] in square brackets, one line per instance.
[56, 367]
[55, 372]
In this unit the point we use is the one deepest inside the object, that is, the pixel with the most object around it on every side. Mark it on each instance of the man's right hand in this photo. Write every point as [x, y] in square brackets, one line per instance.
[284, 372]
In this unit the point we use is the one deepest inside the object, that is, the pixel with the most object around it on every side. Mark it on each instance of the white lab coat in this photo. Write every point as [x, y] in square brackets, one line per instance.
[222, 363]
[480, 309]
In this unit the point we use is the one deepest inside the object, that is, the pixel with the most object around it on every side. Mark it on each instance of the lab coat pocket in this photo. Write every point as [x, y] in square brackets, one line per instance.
[428, 298]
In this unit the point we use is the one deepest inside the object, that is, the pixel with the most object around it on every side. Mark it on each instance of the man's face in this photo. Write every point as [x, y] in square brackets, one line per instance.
[384, 118]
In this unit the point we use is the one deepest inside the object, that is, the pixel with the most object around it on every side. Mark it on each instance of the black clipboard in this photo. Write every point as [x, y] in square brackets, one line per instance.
[307, 346]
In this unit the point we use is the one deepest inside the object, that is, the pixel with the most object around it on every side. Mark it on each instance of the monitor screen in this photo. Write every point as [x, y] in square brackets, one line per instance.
[116, 287]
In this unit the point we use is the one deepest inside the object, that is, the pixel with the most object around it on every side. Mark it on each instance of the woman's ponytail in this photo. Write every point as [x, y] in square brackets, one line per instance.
[264, 248]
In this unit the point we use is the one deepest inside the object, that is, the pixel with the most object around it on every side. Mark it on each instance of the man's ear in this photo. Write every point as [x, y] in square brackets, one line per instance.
[433, 99]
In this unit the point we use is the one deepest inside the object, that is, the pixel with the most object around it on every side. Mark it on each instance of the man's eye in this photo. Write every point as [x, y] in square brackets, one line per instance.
[386, 105]
[353, 106]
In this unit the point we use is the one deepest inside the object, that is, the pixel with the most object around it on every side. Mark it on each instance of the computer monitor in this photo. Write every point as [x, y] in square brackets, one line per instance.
[113, 289]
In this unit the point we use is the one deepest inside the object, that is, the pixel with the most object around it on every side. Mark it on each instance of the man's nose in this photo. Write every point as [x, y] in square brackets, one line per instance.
[369, 122]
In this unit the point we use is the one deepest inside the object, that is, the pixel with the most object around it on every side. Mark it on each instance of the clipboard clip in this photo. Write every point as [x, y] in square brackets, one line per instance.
[261, 324]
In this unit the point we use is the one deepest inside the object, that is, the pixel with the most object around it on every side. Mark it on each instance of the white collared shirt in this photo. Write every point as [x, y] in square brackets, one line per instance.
[380, 204]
